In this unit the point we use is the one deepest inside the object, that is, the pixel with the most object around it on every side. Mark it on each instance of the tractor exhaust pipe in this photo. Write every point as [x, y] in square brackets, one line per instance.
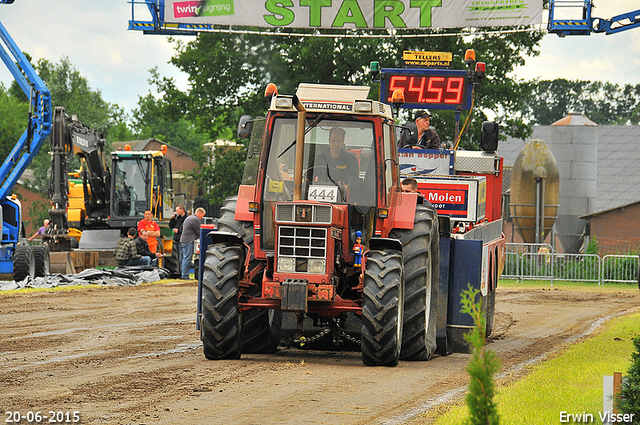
[297, 178]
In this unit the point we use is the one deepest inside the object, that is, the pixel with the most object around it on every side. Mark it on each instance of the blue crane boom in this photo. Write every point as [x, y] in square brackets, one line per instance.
[39, 126]
[16, 256]
[583, 23]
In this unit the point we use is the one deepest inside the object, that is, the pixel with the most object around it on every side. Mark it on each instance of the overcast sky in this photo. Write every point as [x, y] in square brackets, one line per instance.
[93, 35]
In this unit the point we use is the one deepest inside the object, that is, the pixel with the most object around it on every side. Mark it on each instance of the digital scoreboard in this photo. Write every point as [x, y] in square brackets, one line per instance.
[428, 88]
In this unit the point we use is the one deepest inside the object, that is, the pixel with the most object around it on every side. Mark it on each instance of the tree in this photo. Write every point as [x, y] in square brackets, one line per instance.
[481, 367]
[71, 90]
[156, 118]
[628, 401]
[227, 75]
[14, 113]
[604, 103]
[219, 172]
[228, 72]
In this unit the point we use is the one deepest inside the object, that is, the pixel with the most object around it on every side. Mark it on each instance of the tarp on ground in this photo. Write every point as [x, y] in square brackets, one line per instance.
[121, 276]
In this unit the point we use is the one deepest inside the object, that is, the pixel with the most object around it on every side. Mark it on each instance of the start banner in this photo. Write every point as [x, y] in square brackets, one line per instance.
[355, 14]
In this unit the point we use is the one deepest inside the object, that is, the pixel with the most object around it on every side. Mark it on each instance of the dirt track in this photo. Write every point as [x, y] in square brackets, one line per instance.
[133, 356]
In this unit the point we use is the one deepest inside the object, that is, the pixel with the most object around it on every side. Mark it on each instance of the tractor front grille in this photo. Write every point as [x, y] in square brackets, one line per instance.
[302, 249]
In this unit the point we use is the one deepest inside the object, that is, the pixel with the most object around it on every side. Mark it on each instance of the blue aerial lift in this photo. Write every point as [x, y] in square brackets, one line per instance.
[16, 256]
[157, 24]
[581, 22]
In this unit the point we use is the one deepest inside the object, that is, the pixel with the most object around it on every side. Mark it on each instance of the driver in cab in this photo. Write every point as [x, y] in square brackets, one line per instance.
[427, 137]
[337, 158]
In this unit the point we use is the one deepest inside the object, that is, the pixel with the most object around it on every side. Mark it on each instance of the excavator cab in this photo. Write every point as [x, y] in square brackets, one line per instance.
[141, 181]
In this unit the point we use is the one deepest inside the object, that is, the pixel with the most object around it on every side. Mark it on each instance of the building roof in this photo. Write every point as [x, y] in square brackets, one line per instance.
[618, 163]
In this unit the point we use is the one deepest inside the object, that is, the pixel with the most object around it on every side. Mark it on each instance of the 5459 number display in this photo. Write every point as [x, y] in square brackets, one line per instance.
[52, 417]
[435, 89]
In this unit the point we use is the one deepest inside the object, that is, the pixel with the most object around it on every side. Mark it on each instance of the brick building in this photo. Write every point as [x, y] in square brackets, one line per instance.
[617, 231]
[31, 201]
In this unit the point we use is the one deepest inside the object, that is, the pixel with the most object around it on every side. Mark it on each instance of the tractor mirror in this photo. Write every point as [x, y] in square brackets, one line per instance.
[244, 126]
[489, 136]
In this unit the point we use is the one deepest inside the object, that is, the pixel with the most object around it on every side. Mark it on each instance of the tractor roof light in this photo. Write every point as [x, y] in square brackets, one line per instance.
[374, 69]
[362, 106]
[397, 98]
[127, 148]
[270, 91]
[284, 102]
[164, 149]
[470, 57]
[480, 71]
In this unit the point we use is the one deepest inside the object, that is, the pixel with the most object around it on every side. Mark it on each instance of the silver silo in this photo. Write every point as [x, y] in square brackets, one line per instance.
[574, 143]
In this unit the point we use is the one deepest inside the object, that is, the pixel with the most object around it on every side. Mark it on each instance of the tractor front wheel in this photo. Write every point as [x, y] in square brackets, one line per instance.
[382, 308]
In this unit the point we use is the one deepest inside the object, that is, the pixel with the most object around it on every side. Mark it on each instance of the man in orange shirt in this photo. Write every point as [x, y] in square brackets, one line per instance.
[152, 228]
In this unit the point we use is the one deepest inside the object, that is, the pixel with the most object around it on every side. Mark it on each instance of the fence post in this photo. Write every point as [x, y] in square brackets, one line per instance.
[553, 266]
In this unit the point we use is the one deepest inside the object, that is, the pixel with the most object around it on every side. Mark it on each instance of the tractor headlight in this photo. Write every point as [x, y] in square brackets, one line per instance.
[316, 266]
[286, 264]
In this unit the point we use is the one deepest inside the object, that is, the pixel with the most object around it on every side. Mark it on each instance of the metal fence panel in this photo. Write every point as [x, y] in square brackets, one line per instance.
[570, 267]
[577, 267]
[619, 268]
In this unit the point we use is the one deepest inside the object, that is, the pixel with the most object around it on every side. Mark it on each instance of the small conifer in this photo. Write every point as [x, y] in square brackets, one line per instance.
[482, 366]
[628, 401]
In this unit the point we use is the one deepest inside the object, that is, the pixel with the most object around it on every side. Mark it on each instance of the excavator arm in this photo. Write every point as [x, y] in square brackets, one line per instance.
[71, 137]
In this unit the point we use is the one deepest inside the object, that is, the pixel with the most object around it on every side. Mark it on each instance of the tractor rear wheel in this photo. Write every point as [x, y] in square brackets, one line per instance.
[489, 302]
[41, 257]
[420, 250]
[24, 263]
[228, 223]
[382, 306]
[220, 322]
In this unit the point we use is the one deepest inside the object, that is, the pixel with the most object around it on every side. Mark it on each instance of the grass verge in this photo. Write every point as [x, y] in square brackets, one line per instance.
[568, 285]
[570, 382]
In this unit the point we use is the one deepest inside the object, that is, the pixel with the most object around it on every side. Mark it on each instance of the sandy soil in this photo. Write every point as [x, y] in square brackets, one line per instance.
[132, 355]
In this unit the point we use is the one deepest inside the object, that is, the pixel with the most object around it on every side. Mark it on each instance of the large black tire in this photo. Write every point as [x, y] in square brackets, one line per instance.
[172, 263]
[421, 258]
[41, 257]
[489, 302]
[24, 263]
[260, 327]
[382, 306]
[220, 323]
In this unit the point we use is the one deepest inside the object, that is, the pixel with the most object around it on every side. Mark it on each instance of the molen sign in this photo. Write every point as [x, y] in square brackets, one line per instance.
[356, 14]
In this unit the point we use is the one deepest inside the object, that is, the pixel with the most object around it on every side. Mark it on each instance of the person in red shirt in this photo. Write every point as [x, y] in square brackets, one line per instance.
[152, 228]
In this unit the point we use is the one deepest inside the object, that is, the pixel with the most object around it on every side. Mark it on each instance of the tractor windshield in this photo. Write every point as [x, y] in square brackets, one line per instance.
[336, 165]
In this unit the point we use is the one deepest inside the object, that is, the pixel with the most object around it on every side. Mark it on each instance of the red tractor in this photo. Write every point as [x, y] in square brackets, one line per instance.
[321, 241]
